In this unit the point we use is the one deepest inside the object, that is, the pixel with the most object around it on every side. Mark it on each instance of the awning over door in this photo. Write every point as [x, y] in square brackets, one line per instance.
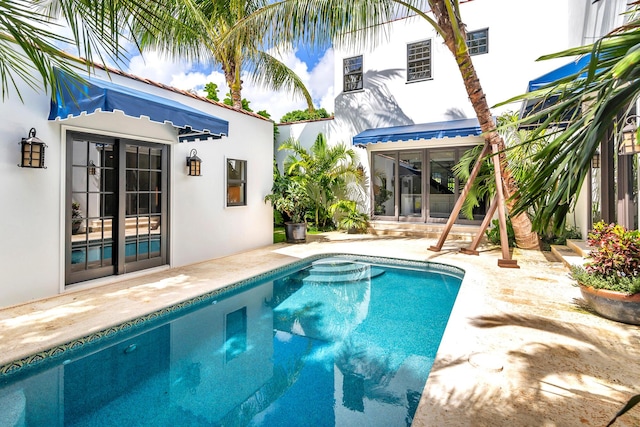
[75, 98]
[552, 77]
[531, 106]
[449, 129]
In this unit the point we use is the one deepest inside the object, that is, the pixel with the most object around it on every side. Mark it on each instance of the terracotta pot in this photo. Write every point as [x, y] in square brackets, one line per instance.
[613, 305]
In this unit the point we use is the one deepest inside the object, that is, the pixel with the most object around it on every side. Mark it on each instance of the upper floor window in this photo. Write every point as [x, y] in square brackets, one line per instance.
[478, 42]
[236, 182]
[352, 73]
[419, 61]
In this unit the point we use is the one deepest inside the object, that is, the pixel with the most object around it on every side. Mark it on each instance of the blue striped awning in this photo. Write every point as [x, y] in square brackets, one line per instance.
[448, 129]
[75, 98]
[534, 106]
[560, 73]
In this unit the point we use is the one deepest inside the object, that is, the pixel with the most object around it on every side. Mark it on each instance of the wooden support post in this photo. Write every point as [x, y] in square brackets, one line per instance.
[506, 260]
[461, 198]
[472, 249]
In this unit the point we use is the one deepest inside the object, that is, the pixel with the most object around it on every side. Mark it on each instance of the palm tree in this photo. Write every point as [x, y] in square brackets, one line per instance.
[329, 173]
[589, 105]
[31, 36]
[359, 23]
[519, 157]
[185, 28]
[194, 30]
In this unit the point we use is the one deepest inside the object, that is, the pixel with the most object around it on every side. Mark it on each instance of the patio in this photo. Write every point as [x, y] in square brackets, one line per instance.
[518, 349]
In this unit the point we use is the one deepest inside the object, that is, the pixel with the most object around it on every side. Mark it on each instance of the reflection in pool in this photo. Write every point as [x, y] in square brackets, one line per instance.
[340, 341]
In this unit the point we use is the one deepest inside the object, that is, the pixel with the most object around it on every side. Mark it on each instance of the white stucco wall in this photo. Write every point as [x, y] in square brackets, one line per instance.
[588, 21]
[203, 227]
[32, 227]
[519, 33]
[30, 202]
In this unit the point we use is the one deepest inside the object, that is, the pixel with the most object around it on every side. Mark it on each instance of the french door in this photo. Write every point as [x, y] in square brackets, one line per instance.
[416, 185]
[116, 198]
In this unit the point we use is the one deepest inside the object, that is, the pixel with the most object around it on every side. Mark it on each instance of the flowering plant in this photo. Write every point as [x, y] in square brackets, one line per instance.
[615, 259]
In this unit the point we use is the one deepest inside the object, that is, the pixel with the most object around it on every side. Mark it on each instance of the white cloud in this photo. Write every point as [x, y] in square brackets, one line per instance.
[157, 67]
[184, 75]
[321, 81]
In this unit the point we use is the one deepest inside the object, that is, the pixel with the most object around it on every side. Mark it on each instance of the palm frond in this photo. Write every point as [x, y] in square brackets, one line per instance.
[590, 105]
[270, 73]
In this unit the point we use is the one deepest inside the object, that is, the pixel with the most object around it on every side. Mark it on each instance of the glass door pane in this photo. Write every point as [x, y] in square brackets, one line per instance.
[144, 213]
[92, 209]
[442, 183]
[410, 176]
[384, 170]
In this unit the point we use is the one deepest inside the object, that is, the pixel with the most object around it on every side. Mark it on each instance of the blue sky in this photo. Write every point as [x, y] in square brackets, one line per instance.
[311, 57]
[314, 66]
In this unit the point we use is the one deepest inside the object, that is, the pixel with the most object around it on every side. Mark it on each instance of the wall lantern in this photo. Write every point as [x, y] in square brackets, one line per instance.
[32, 150]
[92, 168]
[193, 163]
[630, 143]
[595, 160]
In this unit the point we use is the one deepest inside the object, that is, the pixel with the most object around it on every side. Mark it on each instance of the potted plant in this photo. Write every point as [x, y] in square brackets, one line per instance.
[76, 214]
[610, 282]
[289, 197]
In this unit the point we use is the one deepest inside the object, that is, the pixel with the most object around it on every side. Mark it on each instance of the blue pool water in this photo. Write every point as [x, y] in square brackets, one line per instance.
[97, 253]
[337, 342]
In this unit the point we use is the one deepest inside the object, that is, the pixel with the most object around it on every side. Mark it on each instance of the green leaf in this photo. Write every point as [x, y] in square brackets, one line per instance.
[629, 405]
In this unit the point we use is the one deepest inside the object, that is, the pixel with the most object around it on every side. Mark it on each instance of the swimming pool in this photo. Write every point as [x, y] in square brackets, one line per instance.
[329, 341]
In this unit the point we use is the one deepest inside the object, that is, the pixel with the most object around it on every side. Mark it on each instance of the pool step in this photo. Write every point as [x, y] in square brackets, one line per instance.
[332, 270]
[344, 278]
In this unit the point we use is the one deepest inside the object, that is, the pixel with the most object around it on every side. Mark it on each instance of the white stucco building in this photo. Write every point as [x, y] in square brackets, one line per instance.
[404, 103]
[115, 196]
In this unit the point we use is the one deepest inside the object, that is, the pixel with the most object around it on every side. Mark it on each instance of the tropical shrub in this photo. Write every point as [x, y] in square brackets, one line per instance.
[289, 197]
[615, 260]
[299, 115]
[493, 233]
[328, 173]
[349, 218]
[616, 250]
[551, 237]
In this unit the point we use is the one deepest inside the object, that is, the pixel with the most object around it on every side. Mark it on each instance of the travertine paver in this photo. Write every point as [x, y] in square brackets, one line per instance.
[518, 349]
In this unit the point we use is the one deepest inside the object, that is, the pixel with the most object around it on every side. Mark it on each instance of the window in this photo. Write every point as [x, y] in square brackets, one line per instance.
[352, 73]
[478, 42]
[419, 61]
[236, 182]
[236, 333]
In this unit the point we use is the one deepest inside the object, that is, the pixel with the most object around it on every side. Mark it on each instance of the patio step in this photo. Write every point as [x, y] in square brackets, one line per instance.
[579, 246]
[575, 252]
[412, 229]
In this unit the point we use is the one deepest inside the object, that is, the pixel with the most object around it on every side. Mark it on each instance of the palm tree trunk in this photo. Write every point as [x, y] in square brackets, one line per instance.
[232, 77]
[525, 237]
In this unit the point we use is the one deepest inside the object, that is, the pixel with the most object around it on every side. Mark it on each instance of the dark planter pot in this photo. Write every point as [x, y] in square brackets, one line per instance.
[613, 305]
[295, 232]
[75, 227]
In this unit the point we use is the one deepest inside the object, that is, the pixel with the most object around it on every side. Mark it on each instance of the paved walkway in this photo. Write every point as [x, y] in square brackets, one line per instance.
[518, 350]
